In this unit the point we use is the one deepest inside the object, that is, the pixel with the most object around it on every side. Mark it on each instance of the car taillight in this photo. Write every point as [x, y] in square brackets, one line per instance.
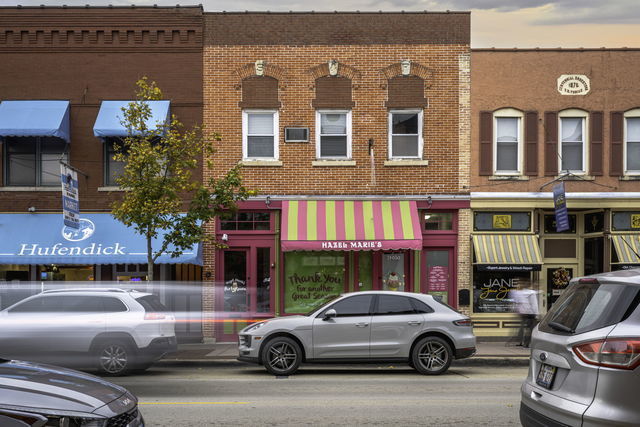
[589, 280]
[463, 322]
[154, 316]
[619, 353]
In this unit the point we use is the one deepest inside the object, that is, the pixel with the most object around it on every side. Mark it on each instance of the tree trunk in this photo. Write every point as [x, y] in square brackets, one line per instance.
[149, 260]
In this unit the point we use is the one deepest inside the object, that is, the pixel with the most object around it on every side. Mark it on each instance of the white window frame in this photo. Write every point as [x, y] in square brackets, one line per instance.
[635, 113]
[245, 134]
[420, 113]
[508, 113]
[319, 114]
[571, 114]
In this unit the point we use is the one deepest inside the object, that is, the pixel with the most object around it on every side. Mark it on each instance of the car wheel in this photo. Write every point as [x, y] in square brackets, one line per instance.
[281, 356]
[431, 356]
[114, 357]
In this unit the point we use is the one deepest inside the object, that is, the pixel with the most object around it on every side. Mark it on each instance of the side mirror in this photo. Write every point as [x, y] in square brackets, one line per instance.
[329, 314]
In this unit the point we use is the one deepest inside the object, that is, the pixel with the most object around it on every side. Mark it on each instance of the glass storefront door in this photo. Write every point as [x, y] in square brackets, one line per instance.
[243, 293]
[557, 279]
[437, 274]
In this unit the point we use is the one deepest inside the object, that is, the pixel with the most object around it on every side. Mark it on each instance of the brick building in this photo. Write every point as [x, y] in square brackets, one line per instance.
[65, 74]
[541, 117]
[354, 129]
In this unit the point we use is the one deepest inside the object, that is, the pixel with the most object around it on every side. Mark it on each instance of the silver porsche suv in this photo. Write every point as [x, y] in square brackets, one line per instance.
[373, 326]
[585, 356]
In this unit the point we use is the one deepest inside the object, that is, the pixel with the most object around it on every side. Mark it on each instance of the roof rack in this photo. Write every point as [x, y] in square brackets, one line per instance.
[51, 291]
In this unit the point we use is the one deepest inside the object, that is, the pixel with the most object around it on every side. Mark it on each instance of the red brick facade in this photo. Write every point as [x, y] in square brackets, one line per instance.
[295, 49]
[86, 55]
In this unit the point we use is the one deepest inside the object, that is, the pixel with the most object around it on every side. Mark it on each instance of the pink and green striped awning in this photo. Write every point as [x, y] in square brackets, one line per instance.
[350, 225]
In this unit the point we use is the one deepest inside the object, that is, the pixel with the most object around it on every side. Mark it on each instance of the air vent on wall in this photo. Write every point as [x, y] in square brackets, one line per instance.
[296, 134]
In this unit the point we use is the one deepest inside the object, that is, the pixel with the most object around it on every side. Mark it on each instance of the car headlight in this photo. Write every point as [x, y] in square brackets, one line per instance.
[255, 326]
[31, 418]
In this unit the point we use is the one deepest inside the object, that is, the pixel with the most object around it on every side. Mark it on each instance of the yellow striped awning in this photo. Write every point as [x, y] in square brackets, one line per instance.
[507, 249]
[627, 247]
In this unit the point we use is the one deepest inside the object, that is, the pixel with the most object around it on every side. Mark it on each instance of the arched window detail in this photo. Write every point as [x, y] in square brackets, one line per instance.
[405, 92]
[259, 92]
[632, 142]
[508, 141]
[333, 92]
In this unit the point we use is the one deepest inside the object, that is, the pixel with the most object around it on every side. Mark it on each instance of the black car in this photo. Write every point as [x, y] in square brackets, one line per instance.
[43, 395]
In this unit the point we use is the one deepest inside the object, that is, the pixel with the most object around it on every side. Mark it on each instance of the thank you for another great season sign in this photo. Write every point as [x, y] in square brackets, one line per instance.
[70, 199]
[560, 203]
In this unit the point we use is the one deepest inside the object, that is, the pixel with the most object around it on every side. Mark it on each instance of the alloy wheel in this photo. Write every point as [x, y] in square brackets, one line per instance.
[282, 356]
[433, 356]
[113, 359]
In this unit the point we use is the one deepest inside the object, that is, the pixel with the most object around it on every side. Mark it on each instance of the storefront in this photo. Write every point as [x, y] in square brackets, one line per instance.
[506, 256]
[292, 256]
[37, 250]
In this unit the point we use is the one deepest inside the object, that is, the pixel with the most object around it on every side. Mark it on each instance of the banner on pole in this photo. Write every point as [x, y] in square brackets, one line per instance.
[560, 204]
[70, 199]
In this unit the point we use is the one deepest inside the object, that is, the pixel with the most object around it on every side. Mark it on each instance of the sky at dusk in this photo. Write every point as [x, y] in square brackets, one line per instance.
[494, 23]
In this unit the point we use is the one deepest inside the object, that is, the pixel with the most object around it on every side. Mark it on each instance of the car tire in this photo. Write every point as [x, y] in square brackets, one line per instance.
[431, 356]
[281, 356]
[114, 357]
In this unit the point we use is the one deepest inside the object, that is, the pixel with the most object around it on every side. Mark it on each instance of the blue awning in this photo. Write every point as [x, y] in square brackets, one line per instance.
[110, 116]
[101, 239]
[35, 118]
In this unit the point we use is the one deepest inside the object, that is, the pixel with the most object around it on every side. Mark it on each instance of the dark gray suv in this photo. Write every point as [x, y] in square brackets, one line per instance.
[585, 356]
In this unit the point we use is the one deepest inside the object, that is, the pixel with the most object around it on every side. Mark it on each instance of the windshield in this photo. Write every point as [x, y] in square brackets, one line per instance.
[323, 303]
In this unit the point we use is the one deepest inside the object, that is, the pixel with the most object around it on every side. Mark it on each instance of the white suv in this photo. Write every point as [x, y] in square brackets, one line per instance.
[112, 330]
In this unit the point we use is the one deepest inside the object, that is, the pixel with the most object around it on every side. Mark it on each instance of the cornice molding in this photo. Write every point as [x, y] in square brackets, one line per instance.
[37, 29]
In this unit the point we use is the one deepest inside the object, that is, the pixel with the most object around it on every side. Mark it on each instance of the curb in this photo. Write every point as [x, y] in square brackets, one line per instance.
[473, 361]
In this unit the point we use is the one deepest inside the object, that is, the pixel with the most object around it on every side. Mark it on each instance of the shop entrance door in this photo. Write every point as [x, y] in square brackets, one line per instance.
[557, 278]
[437, 274]
[243, 290]
[232, 299]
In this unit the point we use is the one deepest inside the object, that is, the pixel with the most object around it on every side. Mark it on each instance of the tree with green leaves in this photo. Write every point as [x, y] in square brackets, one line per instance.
[161, 198]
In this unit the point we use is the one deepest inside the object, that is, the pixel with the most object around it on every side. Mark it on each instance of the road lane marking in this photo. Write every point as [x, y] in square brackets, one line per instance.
[193, 403]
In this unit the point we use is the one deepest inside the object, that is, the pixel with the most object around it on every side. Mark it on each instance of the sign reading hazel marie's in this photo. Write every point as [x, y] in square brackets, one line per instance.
[351, 245]
[99, 239]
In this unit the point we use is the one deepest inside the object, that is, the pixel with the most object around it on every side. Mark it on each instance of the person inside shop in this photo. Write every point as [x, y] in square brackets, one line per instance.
[526, 302]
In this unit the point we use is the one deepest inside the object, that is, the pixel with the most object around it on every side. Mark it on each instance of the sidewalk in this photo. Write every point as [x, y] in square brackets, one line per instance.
[489, 353]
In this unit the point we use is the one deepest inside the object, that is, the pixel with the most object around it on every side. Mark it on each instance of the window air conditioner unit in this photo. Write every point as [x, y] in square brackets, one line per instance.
[296, 134]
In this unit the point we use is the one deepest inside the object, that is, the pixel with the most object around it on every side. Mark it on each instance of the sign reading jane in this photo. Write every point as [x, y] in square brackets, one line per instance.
[98, 239]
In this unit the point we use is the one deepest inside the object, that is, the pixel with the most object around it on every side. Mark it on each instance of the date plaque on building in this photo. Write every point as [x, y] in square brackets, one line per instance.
[574, 84]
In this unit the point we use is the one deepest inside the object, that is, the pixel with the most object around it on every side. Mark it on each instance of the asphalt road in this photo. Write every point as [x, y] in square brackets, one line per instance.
[233, 394]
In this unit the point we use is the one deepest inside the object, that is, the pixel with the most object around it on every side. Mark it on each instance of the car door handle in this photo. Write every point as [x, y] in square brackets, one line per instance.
[414, 322]
[362, 325]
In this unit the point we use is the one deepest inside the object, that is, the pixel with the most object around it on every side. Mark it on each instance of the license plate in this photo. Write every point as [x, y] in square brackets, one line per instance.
[546, 375]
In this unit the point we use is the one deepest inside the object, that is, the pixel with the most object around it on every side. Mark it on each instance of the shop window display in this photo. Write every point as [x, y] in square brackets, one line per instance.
[491, 290]
[311, 278]
[393, 277]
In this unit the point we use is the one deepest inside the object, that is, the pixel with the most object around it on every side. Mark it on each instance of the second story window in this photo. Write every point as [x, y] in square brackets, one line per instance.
[112, 168]
[572, 147]
[333, 134]
[632, 142]
[508, 143]
[34, 161]
[260, 135]
[405, 134]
